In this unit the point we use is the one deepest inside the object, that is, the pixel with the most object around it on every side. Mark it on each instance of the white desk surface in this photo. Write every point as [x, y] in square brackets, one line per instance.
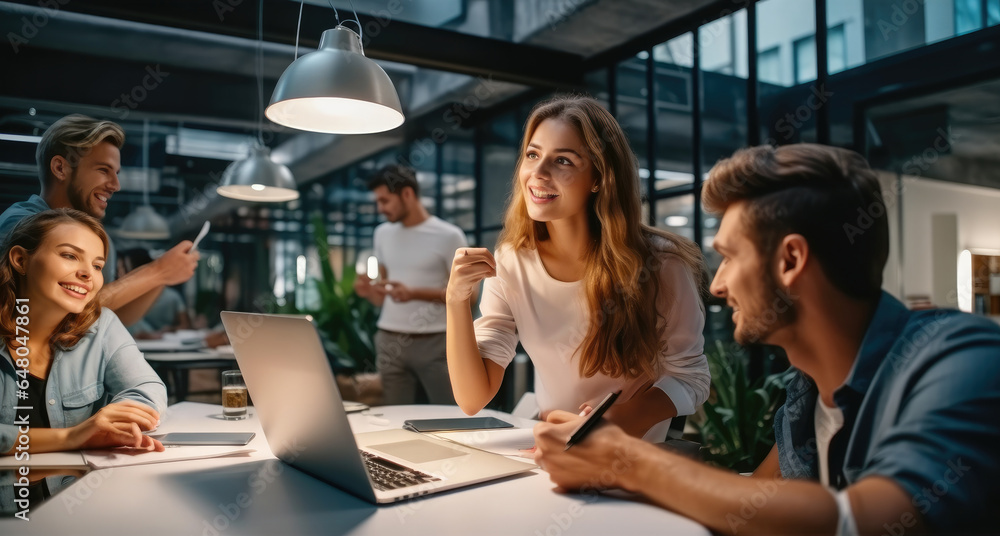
[258, 494]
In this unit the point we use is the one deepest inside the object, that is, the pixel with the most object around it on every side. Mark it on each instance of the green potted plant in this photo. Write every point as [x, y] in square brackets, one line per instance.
[736, 423]
[346, 324]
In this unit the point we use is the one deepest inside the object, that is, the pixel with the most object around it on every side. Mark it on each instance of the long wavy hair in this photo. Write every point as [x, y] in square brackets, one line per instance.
[623, 263]
[30, 233]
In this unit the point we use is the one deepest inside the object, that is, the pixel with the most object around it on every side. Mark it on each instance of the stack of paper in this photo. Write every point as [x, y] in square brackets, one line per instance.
[119, 457]
[505, 441]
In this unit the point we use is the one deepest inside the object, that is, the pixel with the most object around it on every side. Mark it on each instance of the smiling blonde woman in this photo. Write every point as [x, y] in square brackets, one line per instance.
[600, 301]
[71, 376]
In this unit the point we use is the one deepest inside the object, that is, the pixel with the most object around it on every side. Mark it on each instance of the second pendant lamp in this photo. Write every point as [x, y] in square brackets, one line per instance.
[258, 178]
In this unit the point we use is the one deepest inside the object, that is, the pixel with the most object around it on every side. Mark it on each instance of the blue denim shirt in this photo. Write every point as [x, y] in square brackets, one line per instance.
[921, 407]
[20, 210]
[103, 368]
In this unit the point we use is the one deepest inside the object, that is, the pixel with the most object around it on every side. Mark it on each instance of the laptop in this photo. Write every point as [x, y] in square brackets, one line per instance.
[297, 401]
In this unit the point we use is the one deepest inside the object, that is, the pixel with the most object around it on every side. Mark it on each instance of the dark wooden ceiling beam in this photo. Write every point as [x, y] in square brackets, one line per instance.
[384, 38]
[128, 87]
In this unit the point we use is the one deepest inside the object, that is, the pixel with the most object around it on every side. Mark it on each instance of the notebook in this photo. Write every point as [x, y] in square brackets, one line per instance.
[296, 398]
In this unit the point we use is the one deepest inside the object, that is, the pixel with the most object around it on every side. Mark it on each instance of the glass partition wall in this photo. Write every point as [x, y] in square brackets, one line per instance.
[870, 75]
[776, 71]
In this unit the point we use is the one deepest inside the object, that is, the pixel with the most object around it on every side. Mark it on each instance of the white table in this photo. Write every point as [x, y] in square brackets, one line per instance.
[261, 495]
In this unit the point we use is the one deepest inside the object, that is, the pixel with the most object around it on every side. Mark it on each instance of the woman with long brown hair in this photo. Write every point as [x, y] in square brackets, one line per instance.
[600, 301]
[71, 376]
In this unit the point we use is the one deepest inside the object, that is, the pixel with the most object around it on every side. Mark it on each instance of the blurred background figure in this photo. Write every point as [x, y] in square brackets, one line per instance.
[168, 313]
[414, 251]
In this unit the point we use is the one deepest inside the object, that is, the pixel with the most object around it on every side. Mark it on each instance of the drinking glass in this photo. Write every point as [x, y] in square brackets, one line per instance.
[234, 395]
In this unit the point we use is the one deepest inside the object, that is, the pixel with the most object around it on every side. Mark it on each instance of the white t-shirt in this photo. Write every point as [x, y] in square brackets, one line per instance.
[827, 421]
[419, 256]
[551, 317]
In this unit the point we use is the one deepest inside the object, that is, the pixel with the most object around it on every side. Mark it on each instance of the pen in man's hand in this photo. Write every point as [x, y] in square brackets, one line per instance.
[580, 433]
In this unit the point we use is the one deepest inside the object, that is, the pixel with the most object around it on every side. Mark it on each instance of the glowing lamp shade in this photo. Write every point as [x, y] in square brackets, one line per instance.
[336, 90]
[144, 223]
[258, 178]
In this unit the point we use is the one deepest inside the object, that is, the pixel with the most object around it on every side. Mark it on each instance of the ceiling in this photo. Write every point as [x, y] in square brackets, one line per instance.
[197, 59]
[188, 67]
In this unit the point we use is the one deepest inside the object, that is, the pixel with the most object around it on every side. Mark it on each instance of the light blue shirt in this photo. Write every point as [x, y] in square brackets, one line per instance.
[20, 210]
[162, 314]
[35, 204]
[103, 368]
[920, 407]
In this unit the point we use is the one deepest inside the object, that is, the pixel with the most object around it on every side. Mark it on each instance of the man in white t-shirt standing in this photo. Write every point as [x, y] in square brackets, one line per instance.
[414, 251]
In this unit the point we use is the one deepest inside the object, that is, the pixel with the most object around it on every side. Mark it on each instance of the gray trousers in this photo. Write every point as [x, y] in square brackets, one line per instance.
[405, 360]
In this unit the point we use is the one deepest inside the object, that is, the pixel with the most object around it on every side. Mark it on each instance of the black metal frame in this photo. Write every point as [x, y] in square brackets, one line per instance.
[897, 70]
[866, 79]
[423, 46]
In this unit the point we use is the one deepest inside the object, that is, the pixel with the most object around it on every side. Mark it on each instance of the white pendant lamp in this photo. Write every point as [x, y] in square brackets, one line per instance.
[336, 90]
[144, 223]
[258, 178]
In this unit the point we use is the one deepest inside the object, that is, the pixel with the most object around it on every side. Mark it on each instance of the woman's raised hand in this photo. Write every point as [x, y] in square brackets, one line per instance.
[117, 425]
[470, 266]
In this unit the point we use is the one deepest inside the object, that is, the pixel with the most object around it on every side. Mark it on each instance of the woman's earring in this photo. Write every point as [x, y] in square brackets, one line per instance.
[595, 188]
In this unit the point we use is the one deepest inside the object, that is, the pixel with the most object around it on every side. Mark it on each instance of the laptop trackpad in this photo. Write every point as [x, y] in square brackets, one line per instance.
[417, 451]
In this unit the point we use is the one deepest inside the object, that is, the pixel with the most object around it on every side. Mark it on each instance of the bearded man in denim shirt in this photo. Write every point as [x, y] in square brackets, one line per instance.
[890, 424]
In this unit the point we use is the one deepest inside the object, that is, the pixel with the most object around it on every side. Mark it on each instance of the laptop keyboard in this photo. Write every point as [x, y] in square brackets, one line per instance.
[387, 475]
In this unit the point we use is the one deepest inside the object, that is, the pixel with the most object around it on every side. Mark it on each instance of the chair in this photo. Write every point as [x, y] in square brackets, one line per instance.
[675, 441]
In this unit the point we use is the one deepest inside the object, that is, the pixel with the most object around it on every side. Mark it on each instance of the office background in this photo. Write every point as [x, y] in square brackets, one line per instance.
[913, 85]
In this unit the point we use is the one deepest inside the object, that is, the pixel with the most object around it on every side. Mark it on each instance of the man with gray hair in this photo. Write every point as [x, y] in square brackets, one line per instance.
[79, 159]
